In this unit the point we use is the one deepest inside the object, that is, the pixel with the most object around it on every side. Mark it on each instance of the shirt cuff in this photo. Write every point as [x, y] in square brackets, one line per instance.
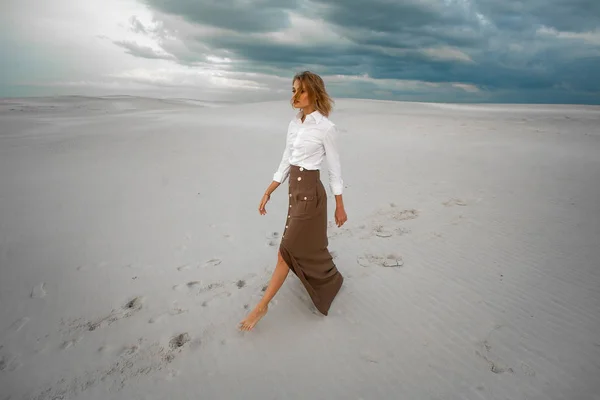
[279, 177]
[337, 188]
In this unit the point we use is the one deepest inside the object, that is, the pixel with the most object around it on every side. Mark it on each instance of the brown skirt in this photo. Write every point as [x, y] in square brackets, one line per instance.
[304, 242]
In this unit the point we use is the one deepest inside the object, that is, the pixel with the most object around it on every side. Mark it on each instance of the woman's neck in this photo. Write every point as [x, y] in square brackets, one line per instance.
[307, 111]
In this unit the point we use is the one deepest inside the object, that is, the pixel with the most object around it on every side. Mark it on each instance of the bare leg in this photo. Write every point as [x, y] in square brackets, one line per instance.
[277, 279]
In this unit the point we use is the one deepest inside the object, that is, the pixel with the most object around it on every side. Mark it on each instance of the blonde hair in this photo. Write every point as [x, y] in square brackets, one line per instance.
[315, 87]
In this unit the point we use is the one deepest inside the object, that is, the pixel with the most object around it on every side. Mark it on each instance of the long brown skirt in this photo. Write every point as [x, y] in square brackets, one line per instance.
[304, 242]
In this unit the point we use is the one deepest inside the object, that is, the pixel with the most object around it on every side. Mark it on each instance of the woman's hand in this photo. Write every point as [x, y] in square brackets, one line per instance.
[266, 197]
[340, 216]
[263, 202]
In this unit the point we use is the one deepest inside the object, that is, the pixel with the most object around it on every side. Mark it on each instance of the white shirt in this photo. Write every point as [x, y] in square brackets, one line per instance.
[308, 144]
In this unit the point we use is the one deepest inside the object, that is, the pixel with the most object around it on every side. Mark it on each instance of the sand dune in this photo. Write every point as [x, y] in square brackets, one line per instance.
[131, 246]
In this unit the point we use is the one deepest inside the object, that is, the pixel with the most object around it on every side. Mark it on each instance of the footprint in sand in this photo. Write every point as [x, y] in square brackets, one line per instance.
[370, 260]
[128, 351]
[215, 296]
[454, 202]
[495, 366]
[131, 307]
[134, 304]
[10, 362]
[382, 232]
[214, 290]
[273, 238]
[405, 214]
[393, 261]
[240, 283]
[213, 262]
[39, 291]
[394, 213]
[184, 267]
[187, 286]
[179, 340]
[195, 287]
[174, 311]
[70, 343]
[487, 353]
[210, 287]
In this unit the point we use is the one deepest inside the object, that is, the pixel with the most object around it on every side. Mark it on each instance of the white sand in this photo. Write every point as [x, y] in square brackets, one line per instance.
[125, 222]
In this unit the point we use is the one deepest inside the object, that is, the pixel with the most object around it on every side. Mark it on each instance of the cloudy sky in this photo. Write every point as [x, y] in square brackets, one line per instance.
[541, 51]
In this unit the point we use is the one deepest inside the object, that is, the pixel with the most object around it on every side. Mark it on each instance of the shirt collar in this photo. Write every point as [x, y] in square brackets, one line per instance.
[315, 115]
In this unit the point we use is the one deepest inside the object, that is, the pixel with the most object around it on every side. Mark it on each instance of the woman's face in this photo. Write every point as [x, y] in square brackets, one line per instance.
[302, 101]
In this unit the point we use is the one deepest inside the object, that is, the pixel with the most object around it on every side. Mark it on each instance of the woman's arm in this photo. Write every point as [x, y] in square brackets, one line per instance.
[284, 166]
[335, 173]
[274, 185]
[333, 160]
[266, 197]
[280, 175]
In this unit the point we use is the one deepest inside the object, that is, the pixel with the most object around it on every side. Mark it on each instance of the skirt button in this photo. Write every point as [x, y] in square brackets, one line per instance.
[304, 198]
[299, 178]
[301, 169]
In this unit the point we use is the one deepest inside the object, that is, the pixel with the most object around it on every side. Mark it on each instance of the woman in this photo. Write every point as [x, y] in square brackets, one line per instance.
[311, 138]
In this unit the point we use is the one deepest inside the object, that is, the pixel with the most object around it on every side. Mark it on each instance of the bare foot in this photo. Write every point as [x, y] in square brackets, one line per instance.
[252, 319]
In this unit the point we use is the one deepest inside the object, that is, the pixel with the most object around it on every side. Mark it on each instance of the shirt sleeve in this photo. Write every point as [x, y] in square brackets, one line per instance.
[333, 160]
[284, 166]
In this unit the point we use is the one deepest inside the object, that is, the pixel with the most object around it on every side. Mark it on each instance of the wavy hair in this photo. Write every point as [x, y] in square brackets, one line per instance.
[315, 87]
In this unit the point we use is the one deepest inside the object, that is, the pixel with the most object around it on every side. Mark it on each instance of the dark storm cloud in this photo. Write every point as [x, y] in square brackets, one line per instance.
[238, 15]
[417, 16]
[564, 15]
[497, 45]
[388, 16]
[489, 72]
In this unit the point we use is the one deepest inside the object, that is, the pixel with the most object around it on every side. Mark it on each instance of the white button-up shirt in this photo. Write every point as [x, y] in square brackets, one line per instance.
[308, 144]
